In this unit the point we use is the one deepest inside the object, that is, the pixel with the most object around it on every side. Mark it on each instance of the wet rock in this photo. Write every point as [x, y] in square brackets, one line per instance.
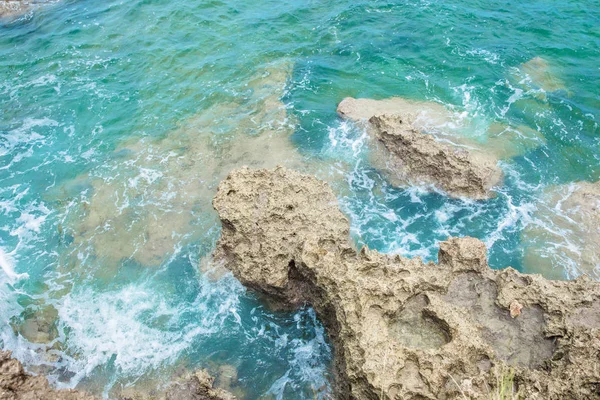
[420, 157]
[493, 138]
[410, 155]
[16, 384]
[38, 324]
[198, 386]
[16, 8]
[9, 8]
[402, 328]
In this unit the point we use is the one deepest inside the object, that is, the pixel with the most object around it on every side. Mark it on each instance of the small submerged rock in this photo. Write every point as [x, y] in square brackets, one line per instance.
[17, 8]
[564, 234]
[11, 8]
[538, 74]
[402, 328]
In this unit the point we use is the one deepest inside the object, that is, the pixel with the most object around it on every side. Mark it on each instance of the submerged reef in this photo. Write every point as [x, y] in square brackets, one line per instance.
[538, 74]
[564, 234]
[402, 328]
[16, 384]
[152, 205]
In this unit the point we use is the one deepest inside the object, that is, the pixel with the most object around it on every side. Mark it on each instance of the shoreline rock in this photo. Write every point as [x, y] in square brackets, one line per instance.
[402, 328]
[17, 8]
[16, 384]
[408, 154]
[459, 172]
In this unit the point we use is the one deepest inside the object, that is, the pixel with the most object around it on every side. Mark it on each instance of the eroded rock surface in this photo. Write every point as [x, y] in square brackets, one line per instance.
[493, 138]
[16, 384]
[401, 328]
[195, 386]
[9, 8]
[418, 156]
[407, 153]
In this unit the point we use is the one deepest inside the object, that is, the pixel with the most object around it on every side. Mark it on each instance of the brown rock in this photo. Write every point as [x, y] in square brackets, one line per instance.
[16, 8]
[402, 328]
[198, 386]
[408, 154]
[16, 384]
[421, 157]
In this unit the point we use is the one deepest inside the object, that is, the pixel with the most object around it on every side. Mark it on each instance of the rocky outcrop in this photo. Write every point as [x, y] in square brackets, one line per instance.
[402, 328]
[409, 154]
[195, 386]
[15, 8]
[421, 157]
[16, 384]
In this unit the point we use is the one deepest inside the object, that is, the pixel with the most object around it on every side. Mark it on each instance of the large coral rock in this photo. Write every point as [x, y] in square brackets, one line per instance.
[402, 328]
[410, 154]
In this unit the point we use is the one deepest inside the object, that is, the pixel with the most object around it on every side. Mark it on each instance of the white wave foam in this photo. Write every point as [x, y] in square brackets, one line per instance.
[136, 328]
[347, 140]
[7, 264]
[304, 367]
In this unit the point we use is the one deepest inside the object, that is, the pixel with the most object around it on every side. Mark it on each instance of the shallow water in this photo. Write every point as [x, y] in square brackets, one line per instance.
[120, 118]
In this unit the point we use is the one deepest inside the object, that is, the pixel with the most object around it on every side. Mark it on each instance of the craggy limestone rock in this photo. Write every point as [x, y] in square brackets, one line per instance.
[16, 384]
[411, 155]
[401, 328]
[421, 157]
[495, 139]
[199, 386]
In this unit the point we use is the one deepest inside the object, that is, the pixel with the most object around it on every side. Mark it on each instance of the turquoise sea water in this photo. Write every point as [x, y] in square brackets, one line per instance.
[118, 119]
